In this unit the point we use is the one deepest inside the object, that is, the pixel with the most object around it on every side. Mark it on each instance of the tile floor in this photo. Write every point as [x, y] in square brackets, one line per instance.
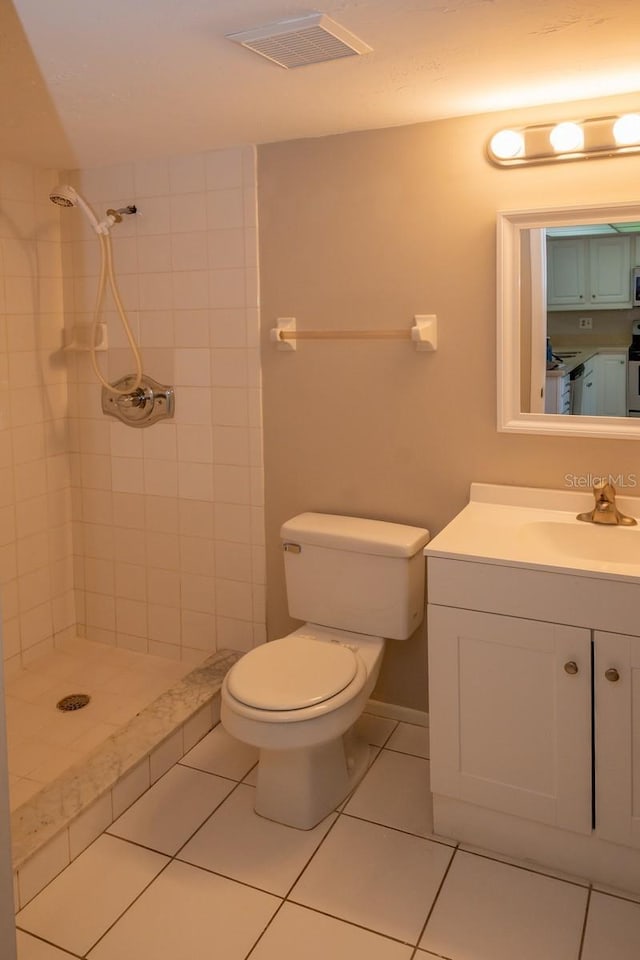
[42, 741]
[189, 872]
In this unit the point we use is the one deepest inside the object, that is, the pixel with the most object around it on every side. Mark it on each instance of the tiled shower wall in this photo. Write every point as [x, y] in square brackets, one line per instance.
[36, 566]
[168, 520]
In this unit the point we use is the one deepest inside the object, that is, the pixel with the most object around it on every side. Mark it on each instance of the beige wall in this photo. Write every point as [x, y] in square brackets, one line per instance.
[364, 230]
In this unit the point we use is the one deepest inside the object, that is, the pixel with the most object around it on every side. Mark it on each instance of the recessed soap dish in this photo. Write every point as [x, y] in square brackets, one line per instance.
[81, 335]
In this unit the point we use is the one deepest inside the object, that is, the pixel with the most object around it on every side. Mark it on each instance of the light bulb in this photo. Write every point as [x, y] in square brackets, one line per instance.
[626, 129]
[507, 144]
[567, 137]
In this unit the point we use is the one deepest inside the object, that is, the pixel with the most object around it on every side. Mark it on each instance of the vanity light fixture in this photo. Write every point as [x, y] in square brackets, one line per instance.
[569, 140]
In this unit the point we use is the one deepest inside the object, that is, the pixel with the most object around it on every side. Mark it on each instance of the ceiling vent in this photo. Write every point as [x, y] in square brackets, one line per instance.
[300, 41]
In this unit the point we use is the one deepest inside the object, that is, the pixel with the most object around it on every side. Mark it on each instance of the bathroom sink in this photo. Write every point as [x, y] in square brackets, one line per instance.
[539, 528]
[585, 541]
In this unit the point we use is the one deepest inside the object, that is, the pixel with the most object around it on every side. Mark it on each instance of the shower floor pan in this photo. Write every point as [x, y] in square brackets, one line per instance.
[63, 763]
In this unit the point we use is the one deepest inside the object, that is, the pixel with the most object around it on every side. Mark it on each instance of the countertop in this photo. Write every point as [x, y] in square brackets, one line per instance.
[569, 364]
[538, 528]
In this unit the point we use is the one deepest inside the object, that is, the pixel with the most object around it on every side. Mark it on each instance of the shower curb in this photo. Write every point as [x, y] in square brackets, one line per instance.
[58, 823]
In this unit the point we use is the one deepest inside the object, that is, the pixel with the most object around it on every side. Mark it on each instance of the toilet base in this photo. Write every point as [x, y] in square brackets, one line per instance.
[299, 788]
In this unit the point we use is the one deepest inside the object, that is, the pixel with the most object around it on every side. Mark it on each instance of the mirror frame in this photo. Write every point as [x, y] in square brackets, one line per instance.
[511, 419]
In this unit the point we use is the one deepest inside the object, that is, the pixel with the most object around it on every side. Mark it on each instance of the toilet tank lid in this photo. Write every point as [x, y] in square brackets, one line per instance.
[377, 537]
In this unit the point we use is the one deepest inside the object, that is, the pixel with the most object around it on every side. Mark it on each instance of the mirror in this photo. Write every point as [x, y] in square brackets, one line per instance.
[568, 256]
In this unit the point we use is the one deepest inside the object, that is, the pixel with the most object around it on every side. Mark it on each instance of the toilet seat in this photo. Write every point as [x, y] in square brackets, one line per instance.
[292, 673]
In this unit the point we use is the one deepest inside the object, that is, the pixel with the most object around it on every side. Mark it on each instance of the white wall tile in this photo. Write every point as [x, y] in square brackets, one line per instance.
[127, 475]
[156, 328]
[161, 514]
[195, 444]
[187, 174]
[191, 289]
[230, 406]
[130, 787]
[151, 178]
[232, 484]
[226, 248]
[228, 328]
[234, 634]
[183, 254]
[90, 824]
[198, 630]
[160, 478]
[193, 367]
[194, 405]
[195, 481]
[164, 628]
[154, 217]
[229, 368]
[189, 251]
[232, 522]
[154, 254]
[191, 328]
[224, 168]
[234, 599]
[225, 208]
[164, 756]
[43, 867]
[188, 212]
[197, 726]
[227, 288]
[163, 586]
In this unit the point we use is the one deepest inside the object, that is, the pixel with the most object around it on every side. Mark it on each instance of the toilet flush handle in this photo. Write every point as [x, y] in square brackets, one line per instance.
[292, 547]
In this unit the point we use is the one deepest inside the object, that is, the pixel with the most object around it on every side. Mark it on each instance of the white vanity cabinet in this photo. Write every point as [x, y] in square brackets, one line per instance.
[534, 682]
[593, 272]
[511, 719]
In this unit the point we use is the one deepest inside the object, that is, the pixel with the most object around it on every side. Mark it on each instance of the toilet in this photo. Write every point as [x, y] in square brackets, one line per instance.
[355, 583]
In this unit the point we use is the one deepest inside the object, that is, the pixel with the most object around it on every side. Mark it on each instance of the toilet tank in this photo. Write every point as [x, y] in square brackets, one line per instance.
[366, 576]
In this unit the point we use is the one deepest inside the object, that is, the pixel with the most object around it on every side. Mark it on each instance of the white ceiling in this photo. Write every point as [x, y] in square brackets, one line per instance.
[87, 83]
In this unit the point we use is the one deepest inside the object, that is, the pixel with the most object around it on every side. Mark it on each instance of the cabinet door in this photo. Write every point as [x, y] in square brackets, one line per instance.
[610, 270]
[611, 377]
[617, 738]
[510, 728]
[566, 272]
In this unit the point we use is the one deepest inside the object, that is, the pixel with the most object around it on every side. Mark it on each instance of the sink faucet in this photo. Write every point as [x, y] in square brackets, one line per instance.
[605, 510]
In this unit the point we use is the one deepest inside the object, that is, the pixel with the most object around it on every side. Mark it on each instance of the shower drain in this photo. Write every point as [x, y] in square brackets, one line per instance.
[75, 701]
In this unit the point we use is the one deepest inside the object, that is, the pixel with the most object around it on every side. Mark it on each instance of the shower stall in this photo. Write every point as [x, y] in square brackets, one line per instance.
[128, 557]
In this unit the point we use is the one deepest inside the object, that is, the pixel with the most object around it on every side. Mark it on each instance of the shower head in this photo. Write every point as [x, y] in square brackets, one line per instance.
[66, 196]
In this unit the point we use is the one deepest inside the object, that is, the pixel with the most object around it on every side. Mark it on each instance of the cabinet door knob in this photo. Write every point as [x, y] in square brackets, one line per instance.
[571, 667]
[612, 674]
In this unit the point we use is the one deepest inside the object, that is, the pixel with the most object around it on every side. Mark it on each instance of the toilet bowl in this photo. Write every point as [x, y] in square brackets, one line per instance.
[297, 699]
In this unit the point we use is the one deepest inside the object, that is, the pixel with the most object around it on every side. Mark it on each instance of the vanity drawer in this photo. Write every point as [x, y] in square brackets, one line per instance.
[535, 594]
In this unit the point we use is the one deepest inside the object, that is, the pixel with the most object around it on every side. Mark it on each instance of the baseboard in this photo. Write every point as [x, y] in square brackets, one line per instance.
[394, 712]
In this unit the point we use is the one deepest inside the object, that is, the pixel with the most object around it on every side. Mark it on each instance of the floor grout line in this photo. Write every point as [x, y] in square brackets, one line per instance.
[435, 900]
[584, 923]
